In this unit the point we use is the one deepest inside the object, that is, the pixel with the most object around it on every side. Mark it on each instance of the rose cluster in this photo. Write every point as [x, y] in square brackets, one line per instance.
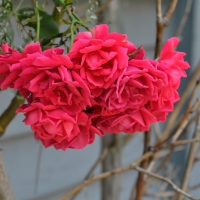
[104, 84]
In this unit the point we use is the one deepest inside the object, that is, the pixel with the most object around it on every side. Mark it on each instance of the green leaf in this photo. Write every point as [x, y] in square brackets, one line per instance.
[6, 28]
[48, 26]
[7, 5]
[66, 21]
[59, 2]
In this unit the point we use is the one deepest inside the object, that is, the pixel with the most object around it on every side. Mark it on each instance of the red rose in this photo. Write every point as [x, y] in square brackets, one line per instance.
[99, 57]
[173, 65]
[55, 127]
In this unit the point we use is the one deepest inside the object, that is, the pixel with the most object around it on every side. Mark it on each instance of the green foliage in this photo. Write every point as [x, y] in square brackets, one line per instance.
[7, 5]
[6, 9]
[48, 26]
[62, 2]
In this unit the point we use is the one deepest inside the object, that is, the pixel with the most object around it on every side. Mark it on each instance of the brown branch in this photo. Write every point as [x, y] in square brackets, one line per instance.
[174, 186]
[159, 28]
[180, 142]
[170, 10]
[98, 161]
[182, 124]
[194, 187]
[190, 159]
[184, 18]
[162, 22]
[90, 173]
[9, 113]
[184, 96]
[160, 195]
[184, 120]
[127, 139]
[172, 145]
[105, 175]
[140, 185]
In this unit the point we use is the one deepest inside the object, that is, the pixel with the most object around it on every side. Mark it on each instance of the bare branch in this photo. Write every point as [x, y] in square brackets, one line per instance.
[159, 28]
[160, 195]
[181, 142]
[168, 14]
[105, 175]
[190, 159]
[140, 185]
[90, 173]
[184, 96]
[162, 22]
[182, 124]
[184, 18]
[174, 186]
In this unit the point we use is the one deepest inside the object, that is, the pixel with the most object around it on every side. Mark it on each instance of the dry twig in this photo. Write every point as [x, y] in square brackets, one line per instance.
[105, 175]
[184, 18]
[184, 97]
[185, 119]
[140, 185]
[162, 22]
[160, 195]
[174, 186]
[190, 159]
[90, 173]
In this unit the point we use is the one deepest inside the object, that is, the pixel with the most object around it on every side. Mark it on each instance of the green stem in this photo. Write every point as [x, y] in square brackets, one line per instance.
[19, 5]
[74, 21]
[68, 2]
[72, 34]
[38, 21]
[9, 113]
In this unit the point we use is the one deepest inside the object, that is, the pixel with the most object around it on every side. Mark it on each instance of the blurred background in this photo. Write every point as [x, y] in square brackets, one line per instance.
[37, 173]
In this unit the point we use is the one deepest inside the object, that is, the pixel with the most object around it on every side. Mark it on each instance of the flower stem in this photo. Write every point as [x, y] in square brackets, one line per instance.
[68, 2]
[9, 113]
[19, 5]
[38, 21]
[72, 34]
[75, 20]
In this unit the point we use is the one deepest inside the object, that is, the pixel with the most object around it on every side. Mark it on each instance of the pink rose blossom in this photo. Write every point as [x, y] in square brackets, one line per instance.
[55, 127]
[100, 57]
[104, 84]
[145, 85]
[173, 65]
[129, 121]
[8, 58]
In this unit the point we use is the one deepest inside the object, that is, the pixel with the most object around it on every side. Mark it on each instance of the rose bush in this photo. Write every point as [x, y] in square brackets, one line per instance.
[104, 84]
